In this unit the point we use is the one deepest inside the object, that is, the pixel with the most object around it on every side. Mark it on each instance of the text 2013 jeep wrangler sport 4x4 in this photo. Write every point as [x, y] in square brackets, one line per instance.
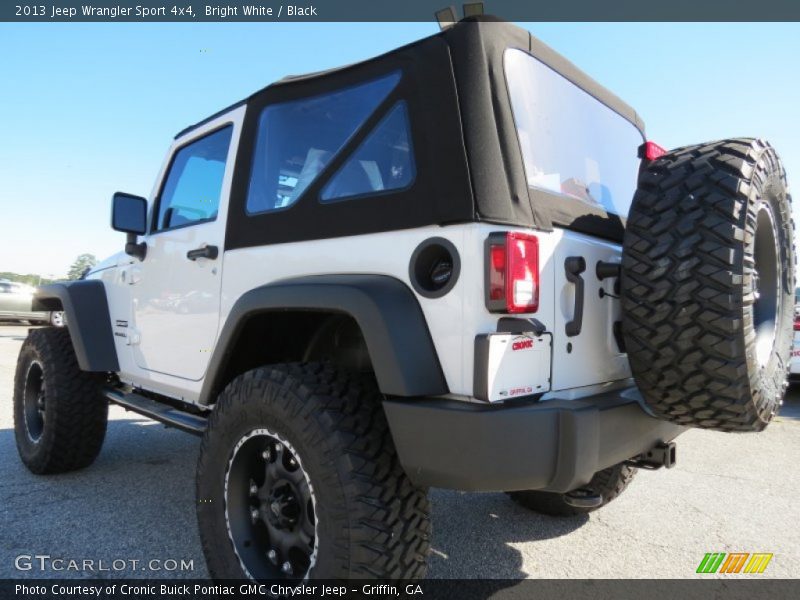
[459, 264]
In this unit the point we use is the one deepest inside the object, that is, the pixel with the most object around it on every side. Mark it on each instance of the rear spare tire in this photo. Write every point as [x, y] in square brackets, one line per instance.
[708, 285]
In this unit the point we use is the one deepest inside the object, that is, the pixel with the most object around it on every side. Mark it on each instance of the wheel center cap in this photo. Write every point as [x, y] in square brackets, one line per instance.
[282, 507]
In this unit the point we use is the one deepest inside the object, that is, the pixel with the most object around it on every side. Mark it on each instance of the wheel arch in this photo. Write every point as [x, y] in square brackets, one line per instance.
[388, 316]
[86, 306]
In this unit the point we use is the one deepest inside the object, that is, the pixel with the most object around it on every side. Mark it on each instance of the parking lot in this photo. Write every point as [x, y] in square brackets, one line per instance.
[728, 493]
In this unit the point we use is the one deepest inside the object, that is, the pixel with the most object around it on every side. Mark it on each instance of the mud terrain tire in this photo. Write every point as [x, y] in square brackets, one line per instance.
[708, 285]
[60, 415]
[362, 516]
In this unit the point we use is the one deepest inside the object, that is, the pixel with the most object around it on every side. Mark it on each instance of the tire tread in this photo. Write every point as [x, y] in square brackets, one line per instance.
[687, 292]
[385, 519]
[77, 414]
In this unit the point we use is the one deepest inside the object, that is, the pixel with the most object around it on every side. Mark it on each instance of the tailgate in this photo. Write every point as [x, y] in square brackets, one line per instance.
[587, 352]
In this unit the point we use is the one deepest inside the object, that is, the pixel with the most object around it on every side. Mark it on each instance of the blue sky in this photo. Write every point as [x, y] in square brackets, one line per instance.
[89, 109]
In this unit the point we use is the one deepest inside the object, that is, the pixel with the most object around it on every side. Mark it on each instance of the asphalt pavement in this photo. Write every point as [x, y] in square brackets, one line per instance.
[136, 506]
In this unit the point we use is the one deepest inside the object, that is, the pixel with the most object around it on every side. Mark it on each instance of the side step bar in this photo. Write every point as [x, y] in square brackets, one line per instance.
[168, 415]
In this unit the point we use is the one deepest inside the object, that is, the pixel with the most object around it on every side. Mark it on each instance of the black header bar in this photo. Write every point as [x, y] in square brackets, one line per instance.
[145, 11]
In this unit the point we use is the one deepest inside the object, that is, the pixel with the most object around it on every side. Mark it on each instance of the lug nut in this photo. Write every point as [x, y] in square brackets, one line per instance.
[253, 489]
[254, 515]
[273, 557]
[287, 568]
[266, 454]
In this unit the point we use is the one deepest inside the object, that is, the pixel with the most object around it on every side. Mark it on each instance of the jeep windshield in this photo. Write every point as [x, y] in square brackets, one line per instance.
[573, 145]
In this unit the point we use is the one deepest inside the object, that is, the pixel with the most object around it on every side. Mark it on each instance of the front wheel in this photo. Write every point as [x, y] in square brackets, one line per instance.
[298, 478]
[60, 414]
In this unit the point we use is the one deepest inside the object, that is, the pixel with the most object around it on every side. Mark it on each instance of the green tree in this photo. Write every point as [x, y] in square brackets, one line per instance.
[83, 262]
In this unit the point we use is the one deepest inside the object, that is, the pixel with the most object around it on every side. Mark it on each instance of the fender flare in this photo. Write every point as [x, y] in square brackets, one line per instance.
[391, 320]
[88, 320]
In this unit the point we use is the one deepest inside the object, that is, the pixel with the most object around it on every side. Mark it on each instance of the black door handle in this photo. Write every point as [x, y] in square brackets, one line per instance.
[574, 266]
[209, 252]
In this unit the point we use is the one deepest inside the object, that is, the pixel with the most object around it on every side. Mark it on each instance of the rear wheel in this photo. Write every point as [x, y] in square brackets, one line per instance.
[60, 415]
[298, 478]
[708, 285]
[609, 483]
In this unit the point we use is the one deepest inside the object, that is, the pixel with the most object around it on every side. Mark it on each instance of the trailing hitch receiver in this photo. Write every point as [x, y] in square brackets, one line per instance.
[660, 455]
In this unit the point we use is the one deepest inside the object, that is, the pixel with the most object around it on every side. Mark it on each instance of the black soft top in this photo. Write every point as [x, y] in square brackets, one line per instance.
[499, 35]
[469, 163]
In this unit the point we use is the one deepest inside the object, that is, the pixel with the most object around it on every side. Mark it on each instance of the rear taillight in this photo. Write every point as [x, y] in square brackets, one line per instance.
[797, 323]
[512, 281]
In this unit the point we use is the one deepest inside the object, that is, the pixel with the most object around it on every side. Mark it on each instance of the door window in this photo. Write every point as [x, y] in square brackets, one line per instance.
[193, 186]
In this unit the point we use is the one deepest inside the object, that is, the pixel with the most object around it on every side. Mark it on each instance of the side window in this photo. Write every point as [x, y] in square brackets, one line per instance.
[194, 182]
[296, 140]
[5, 288]
[383, 162]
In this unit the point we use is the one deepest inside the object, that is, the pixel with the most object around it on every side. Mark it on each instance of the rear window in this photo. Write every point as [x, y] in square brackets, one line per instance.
[572, 144]
[383, 162]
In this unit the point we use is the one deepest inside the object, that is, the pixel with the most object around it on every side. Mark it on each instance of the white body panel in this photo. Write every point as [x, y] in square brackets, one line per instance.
[167, 311]
[176, 303]
[453, 320]
[592, 356]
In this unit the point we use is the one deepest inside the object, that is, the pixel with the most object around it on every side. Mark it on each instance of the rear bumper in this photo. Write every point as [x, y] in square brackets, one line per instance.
[556, 445]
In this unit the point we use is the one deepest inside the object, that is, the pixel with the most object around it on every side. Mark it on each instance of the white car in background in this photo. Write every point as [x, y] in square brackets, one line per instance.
[16, 301]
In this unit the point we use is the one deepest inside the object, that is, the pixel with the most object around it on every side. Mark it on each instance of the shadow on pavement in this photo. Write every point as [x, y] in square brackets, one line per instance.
[135, 502]
[474, 535]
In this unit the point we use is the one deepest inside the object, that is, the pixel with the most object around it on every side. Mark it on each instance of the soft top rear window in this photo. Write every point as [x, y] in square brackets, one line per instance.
[296, 140]
[572, 144]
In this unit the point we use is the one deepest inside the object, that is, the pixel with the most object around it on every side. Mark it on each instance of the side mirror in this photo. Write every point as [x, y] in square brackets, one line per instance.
[129, 215]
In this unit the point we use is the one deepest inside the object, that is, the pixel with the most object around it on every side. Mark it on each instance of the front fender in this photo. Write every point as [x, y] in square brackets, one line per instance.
[86, 306]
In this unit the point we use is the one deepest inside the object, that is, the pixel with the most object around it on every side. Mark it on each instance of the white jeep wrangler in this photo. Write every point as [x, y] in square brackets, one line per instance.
[432, 268]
